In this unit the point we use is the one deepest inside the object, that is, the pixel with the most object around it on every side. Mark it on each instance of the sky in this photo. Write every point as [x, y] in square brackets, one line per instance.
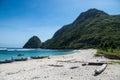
[22, 19]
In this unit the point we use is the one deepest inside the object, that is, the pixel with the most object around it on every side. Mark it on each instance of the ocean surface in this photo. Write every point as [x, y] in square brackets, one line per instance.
[9, 53]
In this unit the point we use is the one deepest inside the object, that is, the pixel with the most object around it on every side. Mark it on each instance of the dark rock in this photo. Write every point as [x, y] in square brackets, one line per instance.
[33, 42]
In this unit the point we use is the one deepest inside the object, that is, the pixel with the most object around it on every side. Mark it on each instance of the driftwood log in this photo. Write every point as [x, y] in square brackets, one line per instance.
[55, 65]
[100, 70]
[94, 63]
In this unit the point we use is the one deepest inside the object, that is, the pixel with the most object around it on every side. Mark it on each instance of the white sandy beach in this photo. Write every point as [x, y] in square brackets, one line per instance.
[43, 69]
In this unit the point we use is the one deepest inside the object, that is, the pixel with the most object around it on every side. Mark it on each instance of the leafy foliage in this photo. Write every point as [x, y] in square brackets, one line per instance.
[33, 42]
[92, 29]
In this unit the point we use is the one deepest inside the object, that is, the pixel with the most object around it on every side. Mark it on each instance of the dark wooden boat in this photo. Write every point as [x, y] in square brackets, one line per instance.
[21, 59]
[6, 61]
[39, 57]
[20, 55]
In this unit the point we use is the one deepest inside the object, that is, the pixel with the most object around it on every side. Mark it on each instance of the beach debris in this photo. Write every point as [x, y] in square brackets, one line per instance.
[55, 65]
[100, 70]
[11, 73]
[74, 67]
[84, 64]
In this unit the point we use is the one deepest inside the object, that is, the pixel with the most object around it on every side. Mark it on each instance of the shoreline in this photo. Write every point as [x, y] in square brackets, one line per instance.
[55, 69]
[20, 53]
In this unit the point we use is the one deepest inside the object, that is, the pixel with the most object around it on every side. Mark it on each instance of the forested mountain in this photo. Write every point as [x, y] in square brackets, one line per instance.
[92, 29]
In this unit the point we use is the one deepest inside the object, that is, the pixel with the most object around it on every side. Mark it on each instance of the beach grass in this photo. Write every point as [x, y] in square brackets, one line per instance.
[113, 62]
[109, 53]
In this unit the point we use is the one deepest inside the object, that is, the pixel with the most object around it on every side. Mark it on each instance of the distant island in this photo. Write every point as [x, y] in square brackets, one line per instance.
[92, 29]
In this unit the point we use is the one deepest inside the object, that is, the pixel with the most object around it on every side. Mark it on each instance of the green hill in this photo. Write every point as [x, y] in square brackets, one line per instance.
[92, 29]
[33, 42]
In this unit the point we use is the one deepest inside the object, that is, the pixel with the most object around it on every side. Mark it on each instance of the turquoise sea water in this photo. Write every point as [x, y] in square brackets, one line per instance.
[8, 53]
